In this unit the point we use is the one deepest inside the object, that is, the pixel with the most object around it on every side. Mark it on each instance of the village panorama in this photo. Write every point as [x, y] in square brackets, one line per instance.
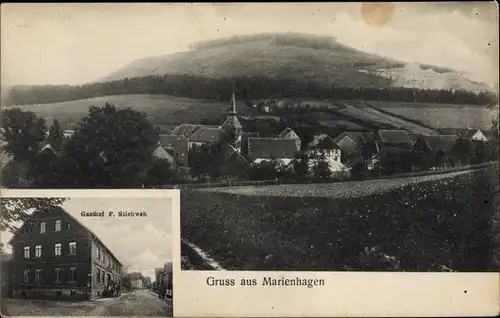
[311, 151]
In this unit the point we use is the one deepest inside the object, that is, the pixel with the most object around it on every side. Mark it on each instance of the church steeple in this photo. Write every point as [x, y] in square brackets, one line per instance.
[232, 125]
[233, 104]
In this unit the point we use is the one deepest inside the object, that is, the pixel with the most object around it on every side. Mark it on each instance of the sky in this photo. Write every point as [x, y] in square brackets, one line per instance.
[77, 43]
[141, 243]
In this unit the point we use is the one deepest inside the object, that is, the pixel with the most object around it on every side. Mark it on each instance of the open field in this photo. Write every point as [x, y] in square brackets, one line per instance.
[438, 225]
[441, 115]
[340, 190]
[355, 115]
[360, 111]
[161, 109]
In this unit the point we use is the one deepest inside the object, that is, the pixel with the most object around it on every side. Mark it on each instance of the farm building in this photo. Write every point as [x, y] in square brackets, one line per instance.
[179, 145]
[288, 133]
[434, 144]
[324, 144]
[267, 149]
[393, 139]
[205, 135]
[163, 154]
[474, 134]
[355, 145]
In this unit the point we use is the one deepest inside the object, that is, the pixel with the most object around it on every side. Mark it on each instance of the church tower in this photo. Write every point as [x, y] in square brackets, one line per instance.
[232, 125]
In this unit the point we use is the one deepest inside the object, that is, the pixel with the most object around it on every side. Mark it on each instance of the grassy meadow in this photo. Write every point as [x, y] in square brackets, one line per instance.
[161, 109]
[439, 225]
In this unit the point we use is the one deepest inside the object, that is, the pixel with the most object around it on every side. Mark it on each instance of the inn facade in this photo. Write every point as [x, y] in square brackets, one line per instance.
[55, 256]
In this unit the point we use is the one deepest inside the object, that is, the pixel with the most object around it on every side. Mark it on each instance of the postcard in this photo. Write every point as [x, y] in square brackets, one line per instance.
[331, 159]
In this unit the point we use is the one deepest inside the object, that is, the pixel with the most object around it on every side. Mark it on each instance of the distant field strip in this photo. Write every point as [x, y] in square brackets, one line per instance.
[160, 109]
[339, 190]
[440, 115]
[373, 115]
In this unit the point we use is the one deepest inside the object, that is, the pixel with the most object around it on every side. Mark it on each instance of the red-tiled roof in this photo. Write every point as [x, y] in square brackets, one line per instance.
[272, 148]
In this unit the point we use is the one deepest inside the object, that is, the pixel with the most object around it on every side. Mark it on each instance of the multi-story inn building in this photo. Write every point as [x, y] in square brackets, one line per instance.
[55, 256]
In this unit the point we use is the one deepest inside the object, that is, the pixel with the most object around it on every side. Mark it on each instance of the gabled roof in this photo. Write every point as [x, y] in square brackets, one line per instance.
[207, 134]
[178, 143]
[323, 141]
[288, 133]
[358, 137]
[162, 153]
[442, 142]
[272, 148]
[187, 130]
[394, 136]
[414, 137]
[73, 219]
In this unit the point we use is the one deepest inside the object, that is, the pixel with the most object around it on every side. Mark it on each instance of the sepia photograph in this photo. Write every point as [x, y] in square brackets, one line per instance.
[80, 256]
[305, 139]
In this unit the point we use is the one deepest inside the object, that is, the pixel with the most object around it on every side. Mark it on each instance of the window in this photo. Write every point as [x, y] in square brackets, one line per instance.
[26, 252]
[38, 251]
[38, 275]
[72, 248]
[57, 275]
[26, 275]
[57, 225]
[72, 274]
[97, 275]
[98, 255]
[102, 276]
[57, 249]
[68, 225]
[103, 256]
[42, 227]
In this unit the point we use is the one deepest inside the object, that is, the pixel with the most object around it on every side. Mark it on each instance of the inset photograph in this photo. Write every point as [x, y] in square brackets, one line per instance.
[86, 256]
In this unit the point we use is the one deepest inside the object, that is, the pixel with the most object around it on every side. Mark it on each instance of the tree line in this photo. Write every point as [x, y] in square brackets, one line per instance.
[248, 87]
[110, 148]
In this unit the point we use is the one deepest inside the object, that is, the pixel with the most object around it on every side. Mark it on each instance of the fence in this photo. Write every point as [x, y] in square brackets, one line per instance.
[230, 183]
[221, 184]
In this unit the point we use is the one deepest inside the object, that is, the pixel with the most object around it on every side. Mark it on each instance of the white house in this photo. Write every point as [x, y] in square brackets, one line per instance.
[325, 145]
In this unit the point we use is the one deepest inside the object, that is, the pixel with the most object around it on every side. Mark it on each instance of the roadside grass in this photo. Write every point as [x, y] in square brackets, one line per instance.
[446, 225]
